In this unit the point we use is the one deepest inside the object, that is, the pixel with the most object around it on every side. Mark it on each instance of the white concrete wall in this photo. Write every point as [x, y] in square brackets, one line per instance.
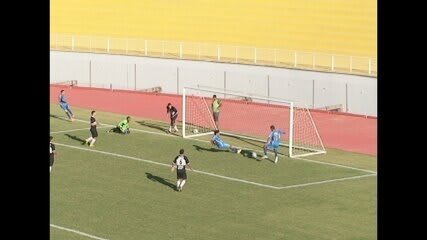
[149, 75]
[202, 76]
[357, 94]
[287, 88]
[65, 69]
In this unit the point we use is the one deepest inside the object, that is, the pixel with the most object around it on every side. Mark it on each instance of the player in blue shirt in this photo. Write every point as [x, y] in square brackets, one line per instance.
[217, 140]
[64, 105]
[273, 143]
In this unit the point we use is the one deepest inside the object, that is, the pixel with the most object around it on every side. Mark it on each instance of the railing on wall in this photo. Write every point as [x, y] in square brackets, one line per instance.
[216, 52]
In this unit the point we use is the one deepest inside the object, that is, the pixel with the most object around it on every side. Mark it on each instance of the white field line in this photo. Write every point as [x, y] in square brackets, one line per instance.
[78, 129]
[337, 165]
[327, 181]
[212, 174]
[167, 165]
[77, 232]
[199, 140]
[133, 129]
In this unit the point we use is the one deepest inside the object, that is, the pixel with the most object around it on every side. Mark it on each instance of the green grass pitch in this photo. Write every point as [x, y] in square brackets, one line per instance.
[110, 196]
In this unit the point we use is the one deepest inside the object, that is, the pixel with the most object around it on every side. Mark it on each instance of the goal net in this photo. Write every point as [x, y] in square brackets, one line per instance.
[250, 117]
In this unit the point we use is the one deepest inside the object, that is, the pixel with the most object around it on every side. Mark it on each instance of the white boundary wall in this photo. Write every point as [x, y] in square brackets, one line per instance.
[357, 94]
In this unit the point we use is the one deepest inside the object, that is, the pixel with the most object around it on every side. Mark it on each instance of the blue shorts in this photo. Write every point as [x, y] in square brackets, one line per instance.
[223, 145]
[273, 146]
[64, 106]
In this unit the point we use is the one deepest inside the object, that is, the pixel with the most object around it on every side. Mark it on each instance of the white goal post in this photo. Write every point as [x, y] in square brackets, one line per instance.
[249, 117]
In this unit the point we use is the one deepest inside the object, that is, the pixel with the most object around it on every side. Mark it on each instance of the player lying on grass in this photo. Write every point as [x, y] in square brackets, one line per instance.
[217, 140]
[273, 143]
[122, 127]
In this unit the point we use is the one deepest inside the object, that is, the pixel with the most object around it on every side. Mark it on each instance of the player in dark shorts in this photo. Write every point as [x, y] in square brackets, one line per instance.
[180, 163]
[52, 153]
[173, 113]
[216, 105]
[94, 133]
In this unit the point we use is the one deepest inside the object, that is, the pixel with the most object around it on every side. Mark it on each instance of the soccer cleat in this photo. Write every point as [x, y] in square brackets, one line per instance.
[239, 150]
[91, 145]
[276, 159]
[265, 156]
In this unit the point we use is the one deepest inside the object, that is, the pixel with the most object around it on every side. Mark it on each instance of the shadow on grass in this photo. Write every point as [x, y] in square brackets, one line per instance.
[164, 128]
[244, 152]
[82, 141]
[60, 118]
[212, 149]
[161, 180]
[260, 145]
[250, 142]
[248, 154]
[116, 130]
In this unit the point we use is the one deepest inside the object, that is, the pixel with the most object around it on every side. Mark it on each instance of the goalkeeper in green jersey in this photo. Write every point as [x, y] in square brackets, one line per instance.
[122, 127]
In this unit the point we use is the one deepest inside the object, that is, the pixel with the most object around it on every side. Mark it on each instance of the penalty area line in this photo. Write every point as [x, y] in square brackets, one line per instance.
[77, 232]
[168, 165]
[77, 129]
[213, 174]
[327, 181]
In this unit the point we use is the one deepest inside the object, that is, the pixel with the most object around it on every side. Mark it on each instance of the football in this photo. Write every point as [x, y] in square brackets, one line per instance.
[195, 130]
[254, 155]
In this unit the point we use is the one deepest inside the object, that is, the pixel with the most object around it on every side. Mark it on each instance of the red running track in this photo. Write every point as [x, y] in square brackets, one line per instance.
[342, 131]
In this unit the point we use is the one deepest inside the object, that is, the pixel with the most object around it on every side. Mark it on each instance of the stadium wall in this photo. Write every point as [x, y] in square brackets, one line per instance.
[356, 94]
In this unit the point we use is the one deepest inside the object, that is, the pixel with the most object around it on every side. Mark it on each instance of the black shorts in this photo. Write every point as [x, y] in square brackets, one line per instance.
[94, 132]
[216, 116]
[181, 174]
[173, 119]
[52, 159]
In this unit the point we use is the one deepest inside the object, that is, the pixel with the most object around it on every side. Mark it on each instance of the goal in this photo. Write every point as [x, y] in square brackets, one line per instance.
[250, 117]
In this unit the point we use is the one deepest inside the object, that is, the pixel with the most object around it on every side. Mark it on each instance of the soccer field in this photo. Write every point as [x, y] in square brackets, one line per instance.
[123, 188]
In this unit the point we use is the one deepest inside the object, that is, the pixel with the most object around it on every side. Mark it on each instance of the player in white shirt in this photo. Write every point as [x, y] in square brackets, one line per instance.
[180, 163]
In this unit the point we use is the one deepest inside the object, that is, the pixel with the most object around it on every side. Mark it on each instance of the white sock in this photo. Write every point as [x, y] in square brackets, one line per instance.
[178, 183]
[170, 129]
[93, 141]
[50, 169]
[182, 183]
[176, 128]
[89, 139]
